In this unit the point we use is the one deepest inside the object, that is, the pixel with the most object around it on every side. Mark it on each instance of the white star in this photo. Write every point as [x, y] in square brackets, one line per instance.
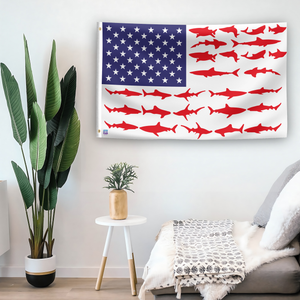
[136, 54]
[172, 61]
[172, 49]
[136, 79]
[165, 80]
[123, 41]
[151, 42]
[108, 28]
[150, 80]
[108, 41]
[116, 47]
[129, 60]
[122, 66]
[179, 80]
[144, 73]
[136, 67]
[172, 74]
[123, 28]
[165, 43]
[158, 36]
[144, 35]
[158, 61]
[122, 53]
[165, 68]
[144, 48]
[179, 30]
[116, 59]
[165, 55]
[150, 67]
[157, 48]
[108, 78]
[150, 54]
[108, 53]
[129, 35]
[108, 66]
[172, 36]
[129, 48]
[122, 78]
[165, 30]
[136, 42]
[179, 68]
[151, 30]
[179, 43]
[136, 29]
[144, 60]
[115, 72]
[157, 73]
[129, 72]
[179, 55]
[116, 34]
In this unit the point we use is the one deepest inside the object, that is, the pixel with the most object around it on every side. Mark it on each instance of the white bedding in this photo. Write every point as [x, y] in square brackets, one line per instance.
[159, 270]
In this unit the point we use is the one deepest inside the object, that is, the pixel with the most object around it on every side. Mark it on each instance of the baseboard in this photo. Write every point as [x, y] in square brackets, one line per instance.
[74, 272]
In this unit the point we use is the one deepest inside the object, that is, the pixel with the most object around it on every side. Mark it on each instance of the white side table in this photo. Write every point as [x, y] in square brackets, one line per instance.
[130, 221]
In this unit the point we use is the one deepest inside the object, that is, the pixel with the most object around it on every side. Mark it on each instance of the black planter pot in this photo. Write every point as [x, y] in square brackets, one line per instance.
[40, 272]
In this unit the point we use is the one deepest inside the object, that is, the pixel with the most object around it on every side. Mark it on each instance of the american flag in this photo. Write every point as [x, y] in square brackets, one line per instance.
[192, 82]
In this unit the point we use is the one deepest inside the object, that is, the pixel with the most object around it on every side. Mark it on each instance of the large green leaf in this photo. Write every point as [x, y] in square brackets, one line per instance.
[50, 194]
[53, 95]
[38, 138]
[13, 99]
[24, 185]
[62, 178]
[30, 87]
[68, 91]
[66, 151]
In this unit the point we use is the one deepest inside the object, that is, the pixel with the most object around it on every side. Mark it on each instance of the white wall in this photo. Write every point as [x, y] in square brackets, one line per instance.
[177, 179]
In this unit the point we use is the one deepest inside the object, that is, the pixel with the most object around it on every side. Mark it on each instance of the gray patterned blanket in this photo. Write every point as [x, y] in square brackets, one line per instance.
[205, 252]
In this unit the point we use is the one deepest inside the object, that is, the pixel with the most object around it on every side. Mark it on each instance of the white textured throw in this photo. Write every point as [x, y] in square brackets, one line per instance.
[159, 270]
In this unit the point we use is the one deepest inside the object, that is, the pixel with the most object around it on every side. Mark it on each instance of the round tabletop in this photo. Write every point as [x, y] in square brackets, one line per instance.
[130, 221]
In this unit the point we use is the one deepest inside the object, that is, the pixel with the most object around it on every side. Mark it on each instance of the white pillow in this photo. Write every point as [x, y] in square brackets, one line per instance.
[284, 223]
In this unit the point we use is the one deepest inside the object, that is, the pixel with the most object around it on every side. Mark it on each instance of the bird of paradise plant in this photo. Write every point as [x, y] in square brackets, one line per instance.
[53, 143]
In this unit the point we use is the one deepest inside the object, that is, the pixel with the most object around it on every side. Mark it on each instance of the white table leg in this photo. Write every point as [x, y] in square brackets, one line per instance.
[104, 257]
[130, 260]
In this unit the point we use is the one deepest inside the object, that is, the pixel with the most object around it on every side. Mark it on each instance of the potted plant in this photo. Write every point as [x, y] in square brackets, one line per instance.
[53, 142]
[121, 176]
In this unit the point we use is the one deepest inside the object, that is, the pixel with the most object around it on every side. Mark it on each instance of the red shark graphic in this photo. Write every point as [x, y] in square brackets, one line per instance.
[125, 109]
[259, 128]
[277, 54]
[227, 110]
[262, 107]
[256, 71]
[258, 30]
[156, 129]
[157, 93]
[230, 54]
[122, 125]
[230, 29]
[229, 129]
[212, 72]
[197, 130]
[214, 43]
[255, 56]
[156, 111]
[203, 31]
[126, 92]
[228, 93]
[277, 29]
[263, 91]
[258, 42]
[185, 112]
[202, 56]
[188, 94]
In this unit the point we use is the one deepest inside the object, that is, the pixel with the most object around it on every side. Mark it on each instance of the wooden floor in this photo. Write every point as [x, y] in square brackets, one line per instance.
[69, 288]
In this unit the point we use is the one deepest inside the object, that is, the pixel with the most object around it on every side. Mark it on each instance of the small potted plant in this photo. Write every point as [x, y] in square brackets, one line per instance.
[121, 176]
